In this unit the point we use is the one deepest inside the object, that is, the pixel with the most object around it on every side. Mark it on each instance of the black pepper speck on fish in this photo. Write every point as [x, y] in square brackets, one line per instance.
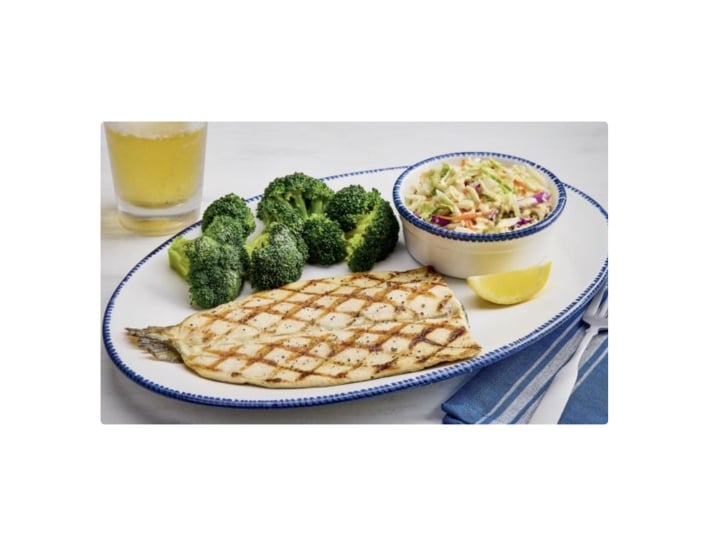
[322, 332]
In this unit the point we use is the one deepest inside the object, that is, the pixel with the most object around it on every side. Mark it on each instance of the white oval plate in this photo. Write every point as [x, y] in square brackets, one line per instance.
[151, 294]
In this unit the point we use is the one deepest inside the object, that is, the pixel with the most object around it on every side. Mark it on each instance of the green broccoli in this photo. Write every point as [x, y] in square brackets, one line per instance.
[350, 204]
[177, 254]
[229, 205]
[374, 233]
[228, 230]
[304, 194]
[214, 270]
[325, 240]
[294, 226]
[277, 257]
[272, 210]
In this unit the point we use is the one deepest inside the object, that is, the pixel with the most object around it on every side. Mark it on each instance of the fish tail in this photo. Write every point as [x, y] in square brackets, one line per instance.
[154, 341]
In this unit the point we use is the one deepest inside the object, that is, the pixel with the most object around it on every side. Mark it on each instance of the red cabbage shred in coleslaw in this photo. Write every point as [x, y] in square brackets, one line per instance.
[480, 196]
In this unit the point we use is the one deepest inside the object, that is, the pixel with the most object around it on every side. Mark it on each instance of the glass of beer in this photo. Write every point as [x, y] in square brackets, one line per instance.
[157, 170]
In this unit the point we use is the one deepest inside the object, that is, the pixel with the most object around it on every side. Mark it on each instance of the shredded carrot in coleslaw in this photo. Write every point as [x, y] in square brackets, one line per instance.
[480, 196]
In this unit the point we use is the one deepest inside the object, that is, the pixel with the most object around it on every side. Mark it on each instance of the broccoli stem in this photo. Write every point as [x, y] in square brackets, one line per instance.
[317, 206]
[177, 253]
[257, 242]
[299, 202]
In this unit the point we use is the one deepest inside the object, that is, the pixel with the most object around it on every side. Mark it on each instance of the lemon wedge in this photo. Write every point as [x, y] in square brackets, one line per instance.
[512, 287]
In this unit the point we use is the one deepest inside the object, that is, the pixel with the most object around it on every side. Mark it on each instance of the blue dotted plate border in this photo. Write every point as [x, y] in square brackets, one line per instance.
[420, 379]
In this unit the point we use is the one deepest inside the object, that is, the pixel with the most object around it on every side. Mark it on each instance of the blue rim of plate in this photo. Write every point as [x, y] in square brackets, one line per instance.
[478, 237]
[419, 379]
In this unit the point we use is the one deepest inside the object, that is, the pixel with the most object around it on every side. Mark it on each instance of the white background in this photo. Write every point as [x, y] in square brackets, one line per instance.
[647, 69]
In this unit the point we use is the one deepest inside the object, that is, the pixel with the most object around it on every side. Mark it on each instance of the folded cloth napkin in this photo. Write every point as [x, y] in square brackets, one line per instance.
[508, 391]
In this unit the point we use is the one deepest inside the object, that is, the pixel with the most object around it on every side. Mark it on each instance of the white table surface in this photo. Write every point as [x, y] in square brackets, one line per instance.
[244, 157]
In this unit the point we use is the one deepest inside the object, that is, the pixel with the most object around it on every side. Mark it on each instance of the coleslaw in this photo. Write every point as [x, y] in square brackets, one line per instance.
[480, 196]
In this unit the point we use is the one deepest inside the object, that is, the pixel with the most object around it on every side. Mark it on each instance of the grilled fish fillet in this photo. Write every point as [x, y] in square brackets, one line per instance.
[322, 332]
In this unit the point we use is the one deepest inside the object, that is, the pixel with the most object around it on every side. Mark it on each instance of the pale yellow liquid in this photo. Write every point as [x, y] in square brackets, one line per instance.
[158, 172]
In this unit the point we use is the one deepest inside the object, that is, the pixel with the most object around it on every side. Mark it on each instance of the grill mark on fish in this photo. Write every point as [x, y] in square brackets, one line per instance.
[456, 334]
[338, 299]
[443, 302]
[360, 339]
[295, 352]
[387, 365]
[421, 337]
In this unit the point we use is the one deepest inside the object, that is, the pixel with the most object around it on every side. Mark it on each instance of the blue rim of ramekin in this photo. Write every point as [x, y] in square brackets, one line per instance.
[479, 237]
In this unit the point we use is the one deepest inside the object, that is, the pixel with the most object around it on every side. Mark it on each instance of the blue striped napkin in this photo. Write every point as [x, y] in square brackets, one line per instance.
[508, 391]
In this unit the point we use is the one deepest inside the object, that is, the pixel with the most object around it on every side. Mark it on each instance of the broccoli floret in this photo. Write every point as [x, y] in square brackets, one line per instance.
[294, 227]
[374, 236]
[229, 205]
[214, 270]
[325, 240]
[350, 204]
[273, 210]
[305, 194]
[228, 230]
[277, 257]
